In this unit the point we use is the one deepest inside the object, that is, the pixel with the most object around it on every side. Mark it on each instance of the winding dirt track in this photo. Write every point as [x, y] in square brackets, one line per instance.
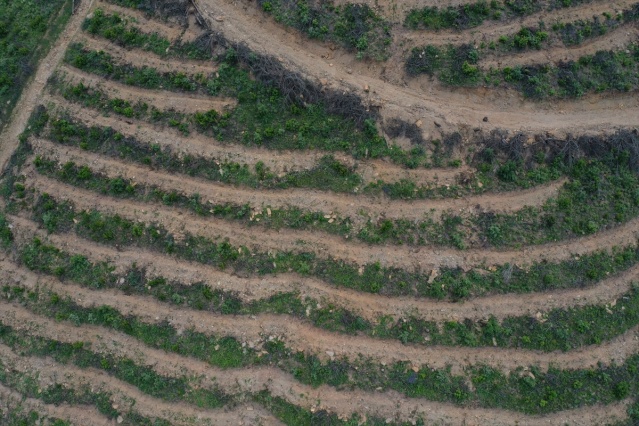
[369, 306]
[304, 337]
[344, 206]
[179, 222]
[279, 383]
[76, 414]
[163, 100]
[505, 109]
[176, 412]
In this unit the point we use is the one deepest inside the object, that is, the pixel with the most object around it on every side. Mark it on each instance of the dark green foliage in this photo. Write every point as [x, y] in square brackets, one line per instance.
[6, 236]
[453, 65]
[525, 38]
[27, 30]
[355, 26]
[606, 70]
[458, 17]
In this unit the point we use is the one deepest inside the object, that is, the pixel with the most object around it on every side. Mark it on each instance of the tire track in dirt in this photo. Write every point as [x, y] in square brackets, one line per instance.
[366, 305]
[178, 413]
[410, 258]
[300, 336]
[31, 94]
[277, 161]
[420, 99]
[163, 100]
[75, 414]
[141, 58]
[349, 206]
[248, 380]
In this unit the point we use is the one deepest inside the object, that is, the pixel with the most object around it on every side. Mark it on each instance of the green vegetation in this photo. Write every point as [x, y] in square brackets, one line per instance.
[19, 416]
[605, 70]
[525, 38]
[545, 393]
[143, 377]
[555, 330]
[453, 283]
[328, 174]
[57, 393]
[263, 116]
[28, 29]
[354, 26]
[121, 31]
[471, 15]
[454, 65]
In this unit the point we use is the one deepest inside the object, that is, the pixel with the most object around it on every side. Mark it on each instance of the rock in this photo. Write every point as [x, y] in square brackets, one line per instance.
[219, 18]
[120, 419]
[366, 88]
[330, 353]
[419, 123]
[437, 124]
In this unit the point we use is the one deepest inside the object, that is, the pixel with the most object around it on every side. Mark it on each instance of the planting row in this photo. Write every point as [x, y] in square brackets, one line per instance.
[529, 391]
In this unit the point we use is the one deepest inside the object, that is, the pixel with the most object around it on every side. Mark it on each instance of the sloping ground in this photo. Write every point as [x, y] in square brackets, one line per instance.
[124, 305]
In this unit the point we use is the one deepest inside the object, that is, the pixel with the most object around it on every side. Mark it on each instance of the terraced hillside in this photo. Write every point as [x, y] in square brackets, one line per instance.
[314, 213]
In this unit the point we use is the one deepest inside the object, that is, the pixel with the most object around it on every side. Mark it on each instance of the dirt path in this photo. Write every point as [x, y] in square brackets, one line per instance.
[231, 381]
[168, 29]
[75, 414]
[300, 336]
[369, 306]
[424, 258]
[420, 100]
[350, 206]
[141, 58]
[617, 39]
[277, 161]
[163, 100]
[177, 413]
[492, 30]
[383, 404]
[32, 92]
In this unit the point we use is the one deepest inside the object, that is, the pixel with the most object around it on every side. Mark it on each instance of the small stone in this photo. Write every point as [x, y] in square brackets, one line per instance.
[120, 419]
[485, 119]
[219, 18]
[330, 353]
[249, 408]
[437, 124]
[419, 123]
[366, 88]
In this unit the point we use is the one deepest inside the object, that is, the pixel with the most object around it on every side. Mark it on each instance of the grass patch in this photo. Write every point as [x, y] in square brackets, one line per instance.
[28, 29]
[355, 26]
